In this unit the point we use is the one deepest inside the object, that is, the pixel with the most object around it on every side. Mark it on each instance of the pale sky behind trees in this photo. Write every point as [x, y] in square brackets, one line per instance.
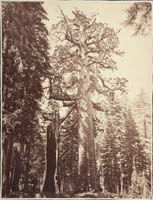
[136, 63]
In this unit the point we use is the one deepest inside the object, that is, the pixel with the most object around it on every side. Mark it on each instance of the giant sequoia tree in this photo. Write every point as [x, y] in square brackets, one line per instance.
[25, 62]
[83, 53]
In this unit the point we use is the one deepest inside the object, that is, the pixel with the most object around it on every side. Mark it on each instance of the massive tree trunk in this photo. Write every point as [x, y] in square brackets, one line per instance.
[49, 184]
[87, 171]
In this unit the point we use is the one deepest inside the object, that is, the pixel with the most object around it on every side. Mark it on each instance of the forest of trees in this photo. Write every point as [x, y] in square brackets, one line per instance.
[66, 130]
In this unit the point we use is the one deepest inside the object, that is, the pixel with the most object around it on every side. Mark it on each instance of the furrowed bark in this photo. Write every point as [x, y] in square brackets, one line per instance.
[87, 171]
[49, 183]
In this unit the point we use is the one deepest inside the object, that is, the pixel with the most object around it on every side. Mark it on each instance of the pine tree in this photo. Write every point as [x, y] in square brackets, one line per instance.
[25, 62]
[110, 147]
[133, 157]
[141, 110]
[119, 149]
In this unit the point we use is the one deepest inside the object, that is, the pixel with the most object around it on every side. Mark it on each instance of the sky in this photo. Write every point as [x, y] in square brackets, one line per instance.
[136, 64]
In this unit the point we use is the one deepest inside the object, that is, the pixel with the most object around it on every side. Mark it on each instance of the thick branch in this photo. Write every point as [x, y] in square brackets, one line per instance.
[100, 64]
[107, 90]
[46, 118]
[68, 103]
[62, 98]
[69, 127]
[68, 113]
[98, 107]
[100, 89]
[118, 85]
[103, 83]
[68, 36]
[93, 51]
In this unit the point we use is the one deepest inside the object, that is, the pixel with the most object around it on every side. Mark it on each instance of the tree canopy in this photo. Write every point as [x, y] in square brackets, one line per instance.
[139, 17]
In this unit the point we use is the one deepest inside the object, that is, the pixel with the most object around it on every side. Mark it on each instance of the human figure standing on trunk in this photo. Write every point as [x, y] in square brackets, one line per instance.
[49, 183]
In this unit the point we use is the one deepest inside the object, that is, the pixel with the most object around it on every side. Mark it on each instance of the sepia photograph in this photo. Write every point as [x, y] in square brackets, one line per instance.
[76, 99]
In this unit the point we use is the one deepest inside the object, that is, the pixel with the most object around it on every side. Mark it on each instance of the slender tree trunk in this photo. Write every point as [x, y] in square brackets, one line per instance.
[7, 155]
[4, 167]
[27, 164]
[145, 129]
[121, 182]
[16, 170]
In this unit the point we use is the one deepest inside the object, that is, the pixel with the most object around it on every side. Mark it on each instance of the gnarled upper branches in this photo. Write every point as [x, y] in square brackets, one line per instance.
[85, 49]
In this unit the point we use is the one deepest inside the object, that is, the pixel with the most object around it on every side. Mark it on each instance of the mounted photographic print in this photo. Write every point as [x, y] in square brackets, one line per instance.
[76, 99]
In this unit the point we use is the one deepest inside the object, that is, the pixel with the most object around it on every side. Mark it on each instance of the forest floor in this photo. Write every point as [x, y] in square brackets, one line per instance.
[80, 195]
[89, 195]
[92, 195]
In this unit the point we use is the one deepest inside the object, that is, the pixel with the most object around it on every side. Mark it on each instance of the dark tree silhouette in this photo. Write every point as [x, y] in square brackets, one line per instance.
[49, 184]
[25, 62]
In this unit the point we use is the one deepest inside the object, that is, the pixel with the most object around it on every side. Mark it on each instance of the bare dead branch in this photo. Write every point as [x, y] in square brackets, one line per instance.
[68, 34]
